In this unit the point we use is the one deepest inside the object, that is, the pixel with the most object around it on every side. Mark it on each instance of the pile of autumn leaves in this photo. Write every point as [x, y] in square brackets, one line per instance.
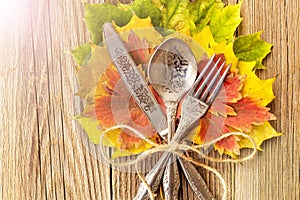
[211, 25]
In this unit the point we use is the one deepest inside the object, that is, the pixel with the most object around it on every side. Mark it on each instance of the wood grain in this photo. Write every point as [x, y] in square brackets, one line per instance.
[44, 153]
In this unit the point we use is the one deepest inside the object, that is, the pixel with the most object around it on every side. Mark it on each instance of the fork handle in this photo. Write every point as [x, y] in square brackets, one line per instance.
[192, 110]
[195, 180]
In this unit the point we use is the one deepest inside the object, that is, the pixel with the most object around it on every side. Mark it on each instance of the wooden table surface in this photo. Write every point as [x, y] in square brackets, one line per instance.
[42, 155]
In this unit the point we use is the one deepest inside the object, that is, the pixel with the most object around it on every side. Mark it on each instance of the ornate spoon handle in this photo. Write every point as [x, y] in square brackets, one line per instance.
[171, 179]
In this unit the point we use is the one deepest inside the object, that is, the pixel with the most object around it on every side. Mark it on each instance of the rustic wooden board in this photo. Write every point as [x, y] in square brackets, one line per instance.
[43, 152]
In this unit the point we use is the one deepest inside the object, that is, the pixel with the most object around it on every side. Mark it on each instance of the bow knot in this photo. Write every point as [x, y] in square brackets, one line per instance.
[175, 147]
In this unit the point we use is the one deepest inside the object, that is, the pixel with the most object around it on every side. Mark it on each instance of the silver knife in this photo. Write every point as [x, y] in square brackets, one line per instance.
[133, 79]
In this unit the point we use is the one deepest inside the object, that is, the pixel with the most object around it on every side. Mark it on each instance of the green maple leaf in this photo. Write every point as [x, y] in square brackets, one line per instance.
[175, 15]
[224, 22]
[97, 14]
[252, 48]
[81, 53]
[145, 8]
[200, 12]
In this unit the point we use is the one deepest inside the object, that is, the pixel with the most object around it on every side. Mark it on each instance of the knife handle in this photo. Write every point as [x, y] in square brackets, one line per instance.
[132, 77]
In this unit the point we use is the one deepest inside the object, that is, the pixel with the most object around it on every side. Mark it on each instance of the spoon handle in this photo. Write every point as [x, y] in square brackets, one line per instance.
[171, 116]
[171, 179]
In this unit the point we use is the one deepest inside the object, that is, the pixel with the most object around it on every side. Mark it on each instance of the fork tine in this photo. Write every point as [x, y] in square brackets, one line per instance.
[213, 95]
[199, 78]
[205, 81]
[212, 83]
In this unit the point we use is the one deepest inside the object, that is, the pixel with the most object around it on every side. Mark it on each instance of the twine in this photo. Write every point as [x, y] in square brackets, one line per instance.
[177, 148]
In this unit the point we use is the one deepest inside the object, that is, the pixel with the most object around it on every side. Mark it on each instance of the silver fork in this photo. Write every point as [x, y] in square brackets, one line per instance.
[194, 106]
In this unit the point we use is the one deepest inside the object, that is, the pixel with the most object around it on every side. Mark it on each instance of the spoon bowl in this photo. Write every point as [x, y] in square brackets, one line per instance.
[172, 69]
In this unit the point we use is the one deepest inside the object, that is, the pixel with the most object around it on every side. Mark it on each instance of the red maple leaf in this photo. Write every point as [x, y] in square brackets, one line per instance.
[248, 113]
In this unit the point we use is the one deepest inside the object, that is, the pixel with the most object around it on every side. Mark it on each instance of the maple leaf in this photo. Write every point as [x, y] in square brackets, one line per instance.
[239, 106]
[139, 49]
[229, 145]
[145, 8]
[174, 16]
[252, 48]
[91, 127]
[259, 133]
[94, 132]
[254, 87]
[205, 39]
[114, 105]
[143, 28]
[200, 12]
[81, 53]
[226, 48]
[93, 61]
[97, 14]
[224, 22]
[248, 114]
[213, 126]
[233, 85]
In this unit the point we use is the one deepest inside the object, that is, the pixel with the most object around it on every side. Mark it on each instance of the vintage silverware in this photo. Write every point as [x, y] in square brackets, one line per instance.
[133, 79]
[172, 71]
[195, 105]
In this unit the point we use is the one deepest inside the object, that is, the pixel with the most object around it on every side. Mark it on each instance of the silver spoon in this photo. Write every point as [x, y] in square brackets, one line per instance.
[172, 71]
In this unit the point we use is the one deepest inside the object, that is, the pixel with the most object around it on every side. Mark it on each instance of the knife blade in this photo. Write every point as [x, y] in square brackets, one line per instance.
[133, 79]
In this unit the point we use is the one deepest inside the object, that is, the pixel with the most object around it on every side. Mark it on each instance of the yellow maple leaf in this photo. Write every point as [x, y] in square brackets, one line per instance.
[254, 87]
[227, 50]
[143, 28]
[205, 38]
[259, 134]
[93, 67]
[207, 42]
[246, 67]
[136, 149]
